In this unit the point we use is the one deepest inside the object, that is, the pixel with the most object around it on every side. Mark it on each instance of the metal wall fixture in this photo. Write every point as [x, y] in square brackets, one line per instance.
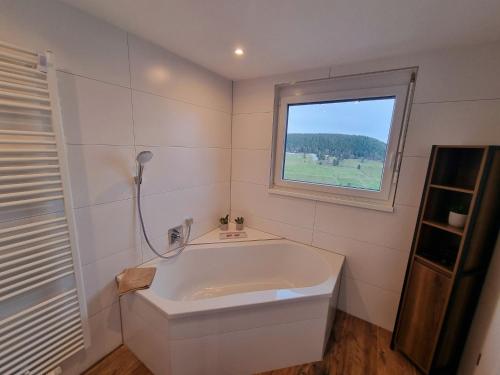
[42, 306]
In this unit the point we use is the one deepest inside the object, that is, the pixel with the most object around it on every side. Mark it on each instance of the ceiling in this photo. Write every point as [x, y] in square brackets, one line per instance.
[280, 36]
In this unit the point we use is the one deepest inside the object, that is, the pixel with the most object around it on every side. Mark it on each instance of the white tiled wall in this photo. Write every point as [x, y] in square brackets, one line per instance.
[83, 44]
[121, 95]
[112, 109]
[457, 101]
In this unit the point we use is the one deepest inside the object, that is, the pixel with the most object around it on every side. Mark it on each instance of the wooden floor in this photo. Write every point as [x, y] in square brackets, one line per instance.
[357, 348]
[120, 362]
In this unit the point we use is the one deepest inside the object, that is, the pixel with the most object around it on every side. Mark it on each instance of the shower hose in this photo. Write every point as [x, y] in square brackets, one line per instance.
[178, 250]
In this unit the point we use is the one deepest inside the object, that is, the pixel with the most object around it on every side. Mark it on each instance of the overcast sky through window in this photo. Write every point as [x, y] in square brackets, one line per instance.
[366, 117]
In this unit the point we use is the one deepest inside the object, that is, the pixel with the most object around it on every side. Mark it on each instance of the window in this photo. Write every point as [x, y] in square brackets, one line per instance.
[338, 139]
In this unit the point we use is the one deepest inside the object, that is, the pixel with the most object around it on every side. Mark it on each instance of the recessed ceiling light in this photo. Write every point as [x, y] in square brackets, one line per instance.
[239, 52]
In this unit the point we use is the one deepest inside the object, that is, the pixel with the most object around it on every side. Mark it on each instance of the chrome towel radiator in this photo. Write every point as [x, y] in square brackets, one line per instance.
[42, 306]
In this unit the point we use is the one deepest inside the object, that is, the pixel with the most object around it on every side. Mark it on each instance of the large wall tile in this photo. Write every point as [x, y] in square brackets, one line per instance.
[252, 130]
[375, 305]
[372, 264]
[390, 229]
[160, 72]
[101, 174]
[459, 74]
[105, 336]
[200, 227]
[165, 122]
[251, 166]
[99, 278]
[252, 199]
[206, 204]
[294, 233]
[106, 229]
[95, 112]
[174, 168]
[257, 95]
[455, 74]
[411, 180]
[253, 96]
[167, 210]
[454, 123]
[82, 44]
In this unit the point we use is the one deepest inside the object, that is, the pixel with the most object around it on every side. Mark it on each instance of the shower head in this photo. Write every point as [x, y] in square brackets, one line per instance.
[144, 156]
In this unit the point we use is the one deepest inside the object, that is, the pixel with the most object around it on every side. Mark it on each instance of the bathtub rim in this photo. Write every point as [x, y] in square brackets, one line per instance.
[172, 309]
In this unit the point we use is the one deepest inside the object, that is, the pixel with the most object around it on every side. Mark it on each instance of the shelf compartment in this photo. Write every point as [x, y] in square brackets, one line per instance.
[439, 203]
[457, 167]
[438, 246]
[444, 226]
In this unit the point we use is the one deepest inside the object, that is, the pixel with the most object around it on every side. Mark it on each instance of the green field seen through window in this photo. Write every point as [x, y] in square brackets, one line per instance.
[341, 143]
[355, 173]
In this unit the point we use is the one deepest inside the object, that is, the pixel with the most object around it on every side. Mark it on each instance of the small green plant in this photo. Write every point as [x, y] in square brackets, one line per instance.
[459, 209]
[239, 220]
[224, 220]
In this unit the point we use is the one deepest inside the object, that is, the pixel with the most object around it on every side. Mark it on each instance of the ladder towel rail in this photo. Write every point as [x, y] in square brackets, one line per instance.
[32, 233]
[34, 240]
[31, 225]
[29, 184]
[37, 255]
[43, 314]
[28, 176]
[34, 248]
[28, 133]
[35, 310]
[71, 307]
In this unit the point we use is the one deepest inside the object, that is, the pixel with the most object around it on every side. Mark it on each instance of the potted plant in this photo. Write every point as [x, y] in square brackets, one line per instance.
[457, 215]
[239, 223]
[224, 222]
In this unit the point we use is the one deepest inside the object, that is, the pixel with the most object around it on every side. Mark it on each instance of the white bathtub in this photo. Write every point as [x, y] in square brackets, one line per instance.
[234, 308]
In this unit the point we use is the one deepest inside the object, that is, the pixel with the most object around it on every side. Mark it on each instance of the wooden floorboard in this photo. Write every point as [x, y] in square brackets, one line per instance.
[390, 362]
[120, 362]
[356, 347]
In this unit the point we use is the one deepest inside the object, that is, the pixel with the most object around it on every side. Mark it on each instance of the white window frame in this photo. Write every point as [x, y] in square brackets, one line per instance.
[370, 86]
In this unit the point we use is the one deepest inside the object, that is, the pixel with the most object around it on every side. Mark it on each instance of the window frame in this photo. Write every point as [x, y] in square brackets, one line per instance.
[325, 91]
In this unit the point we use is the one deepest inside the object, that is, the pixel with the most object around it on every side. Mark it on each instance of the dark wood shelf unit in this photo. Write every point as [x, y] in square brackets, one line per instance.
[447, 265]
